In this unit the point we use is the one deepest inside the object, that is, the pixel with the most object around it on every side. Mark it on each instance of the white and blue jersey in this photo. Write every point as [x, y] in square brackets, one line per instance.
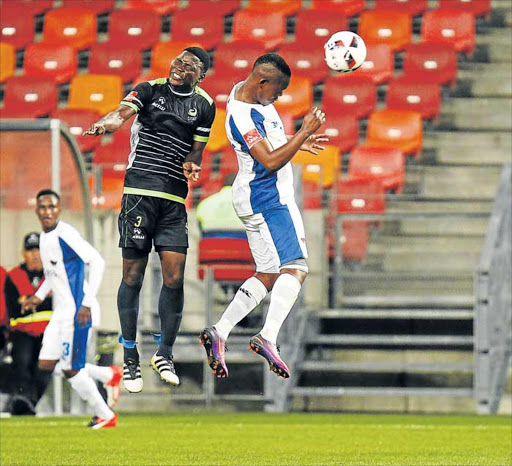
[65, 254]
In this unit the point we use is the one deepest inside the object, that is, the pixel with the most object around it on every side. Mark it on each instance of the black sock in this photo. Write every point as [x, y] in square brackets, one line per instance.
[128, 307]
[170, 309]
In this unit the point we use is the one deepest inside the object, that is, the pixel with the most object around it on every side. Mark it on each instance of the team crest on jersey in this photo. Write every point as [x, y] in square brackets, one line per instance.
[192, 114]
[159, 103]
[252, 137]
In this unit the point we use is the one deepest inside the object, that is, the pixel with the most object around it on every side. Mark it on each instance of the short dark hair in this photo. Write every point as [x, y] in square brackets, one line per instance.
[201, 54]
[274, 60]
[47, 192]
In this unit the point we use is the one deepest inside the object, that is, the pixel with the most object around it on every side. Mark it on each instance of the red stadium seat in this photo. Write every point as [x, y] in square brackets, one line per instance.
[322, 169]
[57, 61]
[261, 26]
[160, 7]
[97, 6]
[314, 27]
[297, 98]
[288, 123]
[311, 195]
[165, 52]
[475, 7]
[75, 27]
[411, 7]
[379, 64]
[285, 7]
[210, 186]
[29, 97]
[78, 121]
[110, 160]
[382, 163]
[305, 60]
[354, 239]
[346, 7]
[451, 26]
[121, 60]
[405, 93]
[214, 7]
[352, 196]
[218, 89]
[16, 29]
[7, 61]
[352, 94]
[385, 26]
[433, 63]
[29, 7]
[401, 129]
[197, 26]
[342, 129]
[100, 92]
[228, 162]
[139, 29]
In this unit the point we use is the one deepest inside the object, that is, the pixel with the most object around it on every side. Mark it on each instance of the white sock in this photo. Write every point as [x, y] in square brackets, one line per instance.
[86, 387]
[248, 296]
[284, 294]
[100, 373]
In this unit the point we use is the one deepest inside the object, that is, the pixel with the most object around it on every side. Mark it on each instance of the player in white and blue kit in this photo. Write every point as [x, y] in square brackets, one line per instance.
[263, 198]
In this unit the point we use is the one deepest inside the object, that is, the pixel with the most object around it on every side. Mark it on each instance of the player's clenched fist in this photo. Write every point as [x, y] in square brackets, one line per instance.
[191, 171]
[313, 120]
[96, 129]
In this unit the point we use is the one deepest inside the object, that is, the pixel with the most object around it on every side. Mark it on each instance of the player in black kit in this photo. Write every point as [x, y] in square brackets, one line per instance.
[168, 136]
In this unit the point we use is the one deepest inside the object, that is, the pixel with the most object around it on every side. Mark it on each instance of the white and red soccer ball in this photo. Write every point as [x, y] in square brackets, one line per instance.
[345, 52]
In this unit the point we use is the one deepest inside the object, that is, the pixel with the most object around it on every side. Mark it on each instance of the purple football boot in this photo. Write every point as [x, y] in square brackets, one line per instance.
[215, 347]
[258, 345]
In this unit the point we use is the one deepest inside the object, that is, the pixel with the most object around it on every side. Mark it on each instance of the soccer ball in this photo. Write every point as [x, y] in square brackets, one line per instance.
[345, 52]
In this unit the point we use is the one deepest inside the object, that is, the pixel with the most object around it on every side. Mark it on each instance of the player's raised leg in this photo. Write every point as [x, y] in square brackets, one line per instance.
[110, 377]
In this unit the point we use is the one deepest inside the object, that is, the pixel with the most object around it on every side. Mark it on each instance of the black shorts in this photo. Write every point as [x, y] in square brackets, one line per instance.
[146, 220]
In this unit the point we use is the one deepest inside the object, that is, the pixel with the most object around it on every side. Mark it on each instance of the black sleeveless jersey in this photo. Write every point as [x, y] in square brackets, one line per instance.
[166, 125]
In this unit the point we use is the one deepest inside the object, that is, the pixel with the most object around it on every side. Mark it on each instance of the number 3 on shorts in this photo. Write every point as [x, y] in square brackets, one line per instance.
[65, 350]
[138, 222]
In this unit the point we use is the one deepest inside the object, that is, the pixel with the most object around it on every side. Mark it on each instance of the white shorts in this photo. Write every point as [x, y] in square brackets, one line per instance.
[67, 342]
[276, 237]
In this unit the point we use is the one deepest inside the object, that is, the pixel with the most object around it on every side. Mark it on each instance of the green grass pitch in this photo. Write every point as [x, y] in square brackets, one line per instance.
[259, 439]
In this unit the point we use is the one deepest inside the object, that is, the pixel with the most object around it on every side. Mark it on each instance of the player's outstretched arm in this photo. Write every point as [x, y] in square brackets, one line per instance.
[111, 122]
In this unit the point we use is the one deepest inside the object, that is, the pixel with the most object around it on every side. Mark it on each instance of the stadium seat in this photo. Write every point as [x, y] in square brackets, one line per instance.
[17, 30]
[285, 7]
[97, 6]
[322, 169]
[110, 161]
[379, 63]
[314, 27]
[106, 195]
[214, 7]
[29, 97]
[385, 26]
[121, 60]
[29, 7]
[406, 93]
[352, 196]
[160, 7]
[346, 7]
[164, 52]
[311, 195]
[383, 163]
[352, 94]
[288, 123]
[228, 162]
[475, 7]
[197, 26]
[206, 169]
[78, 121]
[400, 129]
[57, 61]
[75, 27]
[218, 139]
[233, 61]
[354, 239]
[433, 63]
[229, 258]
[297, 98]
[7, 61]
[139, 29]
[100, 92]
[305, 60]
[218, 89]
[261, 26]
[411, 7]
[451, 26]
[210, 186]
[342, 129]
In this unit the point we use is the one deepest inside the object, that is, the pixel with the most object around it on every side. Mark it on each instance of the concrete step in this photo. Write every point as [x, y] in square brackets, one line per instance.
[409, 301]
[445, 226]
[485, 80]
[498, 42]
[429, 314]
[436, 341]
[381, 391]
[336, 366]
[425, 205]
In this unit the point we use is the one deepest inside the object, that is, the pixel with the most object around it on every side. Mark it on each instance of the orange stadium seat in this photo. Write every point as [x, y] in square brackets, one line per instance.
[29, 97]
[228, 162]
[408, 94]
[16, 29]
[314, 27]
[107, 194]
[475, 7]
[70, 26]
[385, 26]
[218, 89]
[356, 195]
[261, 26]
[342, 129]
[214, 7]
[7, 61]
[305, 60]
[121, 60]
[346, 7]
[164, 52]
[297, 98]
[352, 94]
[139, 29]
[190, 26]
[401, 129]
[98, 6]
[100, 92]
[285, 7]
[379, 64]
[218, 139]
[429, 62]
[160, 7]
[79, 120]
[383, 163]
[322, 169]
[57, 61]
[411, 7]
[311, 195]
[451, 26]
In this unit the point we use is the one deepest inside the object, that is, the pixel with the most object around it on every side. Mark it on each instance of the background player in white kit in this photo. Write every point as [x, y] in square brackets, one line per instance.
[64, 254]
[263, 198]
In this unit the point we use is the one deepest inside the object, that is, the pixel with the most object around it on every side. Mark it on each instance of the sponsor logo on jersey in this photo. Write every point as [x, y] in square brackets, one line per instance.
[53, 262]
[131, 96]
[159, 104]
[137, 234]
[252, 137]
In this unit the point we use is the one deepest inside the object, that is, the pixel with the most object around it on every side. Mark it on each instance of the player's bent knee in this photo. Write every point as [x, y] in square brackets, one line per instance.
[46, 365]
[70, 373]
